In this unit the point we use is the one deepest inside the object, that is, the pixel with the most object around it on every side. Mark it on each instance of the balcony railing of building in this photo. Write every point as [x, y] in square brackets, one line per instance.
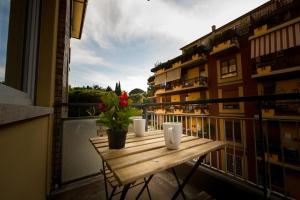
[275, 13]
[263, 152]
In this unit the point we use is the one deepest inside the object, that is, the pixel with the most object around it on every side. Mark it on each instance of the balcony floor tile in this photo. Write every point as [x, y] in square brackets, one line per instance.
[162, 186]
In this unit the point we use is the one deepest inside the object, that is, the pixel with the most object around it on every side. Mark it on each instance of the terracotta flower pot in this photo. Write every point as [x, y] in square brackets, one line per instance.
[116, 140]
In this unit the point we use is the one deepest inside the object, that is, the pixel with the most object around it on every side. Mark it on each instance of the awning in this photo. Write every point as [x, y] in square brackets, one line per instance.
[160, 79]
[173, 75]
[275, 40]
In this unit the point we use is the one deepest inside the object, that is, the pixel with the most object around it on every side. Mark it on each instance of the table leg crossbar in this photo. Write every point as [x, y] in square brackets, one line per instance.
[125, 187]
[146, 182]
[187, 178]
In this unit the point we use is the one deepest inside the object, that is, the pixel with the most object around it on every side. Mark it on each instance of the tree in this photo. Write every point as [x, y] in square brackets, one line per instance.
[108, 89]
[118, 90]
[150, 91]
[136, 91]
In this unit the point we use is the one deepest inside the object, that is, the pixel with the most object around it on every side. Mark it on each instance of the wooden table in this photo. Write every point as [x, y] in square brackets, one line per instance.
[145, 156]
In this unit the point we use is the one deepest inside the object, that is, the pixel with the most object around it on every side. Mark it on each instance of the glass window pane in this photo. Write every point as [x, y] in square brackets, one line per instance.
[228, 130]
[229, 163]
[224, 70]
[4, 22]
[232, 68]
[237, 132]
[232, 61]
[238, 166]
[224, 64]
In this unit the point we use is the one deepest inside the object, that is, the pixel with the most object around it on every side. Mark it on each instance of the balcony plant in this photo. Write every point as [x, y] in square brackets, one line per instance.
[115, 114]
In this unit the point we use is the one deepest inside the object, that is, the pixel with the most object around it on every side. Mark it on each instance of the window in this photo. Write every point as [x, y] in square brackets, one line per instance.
[4, 21]
[230, 93]
[233, 131]
[19, 37]
[234, 167]
[166, 99]
[228, 68]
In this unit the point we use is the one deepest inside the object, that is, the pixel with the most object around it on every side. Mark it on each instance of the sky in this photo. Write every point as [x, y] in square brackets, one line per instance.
[123, 39]
[4, 18]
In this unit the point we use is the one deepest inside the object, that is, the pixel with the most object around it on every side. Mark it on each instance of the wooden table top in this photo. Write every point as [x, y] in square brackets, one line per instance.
[144, 156]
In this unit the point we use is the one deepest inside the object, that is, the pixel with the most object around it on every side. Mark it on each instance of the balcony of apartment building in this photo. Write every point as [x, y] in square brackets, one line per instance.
[262, 155]
[224, 41]
[274, 14]
[276, 39]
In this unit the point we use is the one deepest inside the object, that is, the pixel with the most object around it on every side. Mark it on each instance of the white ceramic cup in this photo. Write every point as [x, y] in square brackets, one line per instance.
[139, 127]
[172, 134]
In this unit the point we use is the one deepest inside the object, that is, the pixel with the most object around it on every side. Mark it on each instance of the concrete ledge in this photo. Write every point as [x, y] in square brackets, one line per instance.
[10, 113]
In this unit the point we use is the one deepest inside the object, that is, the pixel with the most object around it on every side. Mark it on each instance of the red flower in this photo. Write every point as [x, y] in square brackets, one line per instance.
[123, 100]
[101, 107]
[123, 103]
[124, 96]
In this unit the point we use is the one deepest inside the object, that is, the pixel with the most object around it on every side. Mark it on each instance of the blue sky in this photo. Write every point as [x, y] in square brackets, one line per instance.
[4, 17]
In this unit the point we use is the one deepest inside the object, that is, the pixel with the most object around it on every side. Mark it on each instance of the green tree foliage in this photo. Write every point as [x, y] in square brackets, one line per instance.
[118, 89]
[150, 90]
[108, 89]
[136, 91]
[84, 95]
[137, 98]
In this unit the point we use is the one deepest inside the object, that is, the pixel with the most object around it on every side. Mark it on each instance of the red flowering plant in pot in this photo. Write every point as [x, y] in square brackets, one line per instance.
[115, 114]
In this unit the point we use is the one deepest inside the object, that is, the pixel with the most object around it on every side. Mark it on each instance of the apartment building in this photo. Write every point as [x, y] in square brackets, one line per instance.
[255, 54]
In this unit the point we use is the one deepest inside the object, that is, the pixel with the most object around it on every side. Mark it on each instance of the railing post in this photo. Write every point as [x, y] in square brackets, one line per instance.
[145, 116]
[262, 137]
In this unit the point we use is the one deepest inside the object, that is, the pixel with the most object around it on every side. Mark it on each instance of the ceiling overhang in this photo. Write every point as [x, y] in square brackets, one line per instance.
[78, 15]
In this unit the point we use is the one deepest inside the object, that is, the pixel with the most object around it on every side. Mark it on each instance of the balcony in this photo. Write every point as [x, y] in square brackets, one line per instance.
[184, 85]
[226, 45]
[275, 13]
[235, 172]
[276, 64]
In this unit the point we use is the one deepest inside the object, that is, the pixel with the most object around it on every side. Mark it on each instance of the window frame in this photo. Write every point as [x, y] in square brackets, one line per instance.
[26, 94]
[229, 73]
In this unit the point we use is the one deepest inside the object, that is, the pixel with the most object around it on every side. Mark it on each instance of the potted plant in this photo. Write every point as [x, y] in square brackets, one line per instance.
[115, 114]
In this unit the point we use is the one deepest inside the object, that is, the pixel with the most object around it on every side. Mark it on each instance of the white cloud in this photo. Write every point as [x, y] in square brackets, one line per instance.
[127, 19]
[116, 28]
[87, 76]
[86, 56]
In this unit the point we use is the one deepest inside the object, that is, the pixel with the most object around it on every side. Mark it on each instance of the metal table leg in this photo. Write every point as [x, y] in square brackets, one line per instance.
[145, 185]
[187, 178]
[112, 193]
[178, 183]
[105, 183]
[124, 191]
[148, 191]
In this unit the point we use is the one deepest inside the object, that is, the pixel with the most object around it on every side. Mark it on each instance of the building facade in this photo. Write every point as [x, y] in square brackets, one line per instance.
[36, 41]
[255, 54]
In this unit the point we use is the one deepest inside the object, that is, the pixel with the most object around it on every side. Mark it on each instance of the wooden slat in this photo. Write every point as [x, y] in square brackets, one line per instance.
[135, 140]
[114, 183]
[144, 156]
[131, 137]
[137, 171]
[111, 154]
